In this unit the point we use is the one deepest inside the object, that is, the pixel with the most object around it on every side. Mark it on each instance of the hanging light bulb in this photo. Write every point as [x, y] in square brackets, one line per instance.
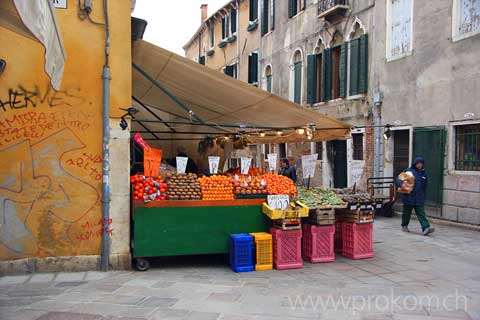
[309, 137]
[262, 134]
[279, 133]
[226, 138]
[300, 131]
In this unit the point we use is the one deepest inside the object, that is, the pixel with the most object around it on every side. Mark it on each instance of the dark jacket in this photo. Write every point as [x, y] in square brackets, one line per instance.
[417, 196]
[289, 172]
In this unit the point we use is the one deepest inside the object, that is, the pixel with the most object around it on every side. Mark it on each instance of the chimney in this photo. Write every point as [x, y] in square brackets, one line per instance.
[204, 10]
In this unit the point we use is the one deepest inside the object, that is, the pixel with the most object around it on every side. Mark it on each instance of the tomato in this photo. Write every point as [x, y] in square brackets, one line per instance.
[163, 197]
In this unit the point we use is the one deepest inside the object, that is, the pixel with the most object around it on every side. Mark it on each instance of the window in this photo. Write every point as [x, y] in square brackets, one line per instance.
[253, 10]
[314, 75]
[357, 145]
[319, 150]
[233, 21]
[231, 70]
[266, 150]
[212, 35]
[268, 16]
[466, 18]
[358, 62]
[399, 28]
[268, 79]
[295, 6]
[202, 60]
[467, 147]
[225, 28]
[253, 68]
[283, 150]
[296, 78]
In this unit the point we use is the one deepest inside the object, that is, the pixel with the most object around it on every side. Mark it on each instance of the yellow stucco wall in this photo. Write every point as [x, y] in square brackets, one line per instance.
[50, 142]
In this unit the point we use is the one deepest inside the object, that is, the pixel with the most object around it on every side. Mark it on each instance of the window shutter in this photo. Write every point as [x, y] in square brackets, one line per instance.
[297, 87]
[272, 26]
[254, 67]
[253, 10]
[228, 71]
[363, 65]
[311, 79]
[233, 20]
[265, 17]
[343, 70]
[269, 83]
[291, 9]
[304, 4]
[223, 28]
[354, 62]
[327, 68]
[250, 71]
[202, 60]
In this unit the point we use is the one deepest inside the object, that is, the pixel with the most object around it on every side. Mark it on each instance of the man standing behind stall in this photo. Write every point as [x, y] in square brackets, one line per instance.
[287, 171]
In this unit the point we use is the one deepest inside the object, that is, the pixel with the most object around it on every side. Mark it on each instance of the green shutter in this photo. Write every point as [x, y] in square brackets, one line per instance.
[327, 67]
[202, 60]
[363, 65]
[273, 15]
[250, 71]
[253, 10]
[311, 79]
[228, 71]
[297, 86]
[291, 9]
[233, 20]
[255, 67]
[223, 28]
[343, 70]
[269, 83]
[354, 57]
[265, 17]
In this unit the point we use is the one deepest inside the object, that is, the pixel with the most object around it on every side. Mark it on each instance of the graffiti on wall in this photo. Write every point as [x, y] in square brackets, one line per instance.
[49, 178]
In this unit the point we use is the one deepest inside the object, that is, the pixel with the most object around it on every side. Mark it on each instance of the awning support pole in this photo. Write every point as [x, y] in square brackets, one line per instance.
[210, 124]
[153, 113]
[148, 130]
[170, 95]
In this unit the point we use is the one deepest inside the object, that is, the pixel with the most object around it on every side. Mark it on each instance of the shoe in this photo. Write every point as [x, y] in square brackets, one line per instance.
[427, 231]
[405, 229]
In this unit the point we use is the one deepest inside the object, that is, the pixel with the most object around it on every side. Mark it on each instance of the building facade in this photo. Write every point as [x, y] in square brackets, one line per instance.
[51, 145]
[429, 75]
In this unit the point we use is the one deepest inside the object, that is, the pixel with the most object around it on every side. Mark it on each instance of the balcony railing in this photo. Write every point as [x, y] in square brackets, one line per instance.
[325, 7]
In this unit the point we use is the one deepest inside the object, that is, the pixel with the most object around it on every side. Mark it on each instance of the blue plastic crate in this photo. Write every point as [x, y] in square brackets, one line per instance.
[240, 248]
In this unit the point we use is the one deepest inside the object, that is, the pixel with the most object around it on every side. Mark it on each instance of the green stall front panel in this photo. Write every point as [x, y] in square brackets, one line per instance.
[171, 231]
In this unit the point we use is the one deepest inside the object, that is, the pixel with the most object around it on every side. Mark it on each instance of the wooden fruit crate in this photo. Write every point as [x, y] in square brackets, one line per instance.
[321, 216]
[287, 224]
[356, 216]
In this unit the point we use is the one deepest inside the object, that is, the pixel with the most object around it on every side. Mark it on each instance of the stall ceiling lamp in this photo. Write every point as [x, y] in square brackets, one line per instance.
[279, 133]
[300, 131]
[262, 134]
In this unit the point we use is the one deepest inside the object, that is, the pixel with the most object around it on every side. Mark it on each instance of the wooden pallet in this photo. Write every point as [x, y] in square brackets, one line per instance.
[287, 224]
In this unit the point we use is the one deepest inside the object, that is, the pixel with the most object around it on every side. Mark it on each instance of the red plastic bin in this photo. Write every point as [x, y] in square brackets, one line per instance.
[357, 240]
[317, 243]
[287, 248]
[338, 237]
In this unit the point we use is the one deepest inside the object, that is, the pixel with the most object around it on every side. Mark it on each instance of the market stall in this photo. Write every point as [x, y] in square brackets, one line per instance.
[182, 102]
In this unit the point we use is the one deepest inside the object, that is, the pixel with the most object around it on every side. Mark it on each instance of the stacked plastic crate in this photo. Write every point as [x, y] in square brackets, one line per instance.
[240, 247]
[287, 248]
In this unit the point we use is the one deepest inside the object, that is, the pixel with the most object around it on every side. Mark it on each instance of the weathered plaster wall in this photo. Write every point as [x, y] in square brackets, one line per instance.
[50, 142]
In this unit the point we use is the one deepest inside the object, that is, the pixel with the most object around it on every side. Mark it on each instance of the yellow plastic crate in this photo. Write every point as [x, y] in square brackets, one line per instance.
[276, 214]
[264, 251]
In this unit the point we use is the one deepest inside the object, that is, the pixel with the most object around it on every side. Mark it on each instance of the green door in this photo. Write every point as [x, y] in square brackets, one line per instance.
[429, 143]
[297, 86]
[340, 164]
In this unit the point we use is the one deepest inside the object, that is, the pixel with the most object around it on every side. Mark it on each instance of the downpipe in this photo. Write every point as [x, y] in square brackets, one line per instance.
[105, 148]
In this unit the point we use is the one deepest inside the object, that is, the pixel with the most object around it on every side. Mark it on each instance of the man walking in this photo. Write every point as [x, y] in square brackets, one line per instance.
[416, 198]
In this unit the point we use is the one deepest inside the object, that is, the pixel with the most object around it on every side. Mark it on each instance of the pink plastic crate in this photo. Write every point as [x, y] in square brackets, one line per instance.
[357, 240]
[317, 243]
[287, 248]
[338, 237]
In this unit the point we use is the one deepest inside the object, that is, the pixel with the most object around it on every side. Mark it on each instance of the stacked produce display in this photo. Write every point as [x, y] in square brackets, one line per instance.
[319, 197]
[216, 188]
[183, 186]
[360, 206]
[148, 189]
[249, 187]
[277, 184]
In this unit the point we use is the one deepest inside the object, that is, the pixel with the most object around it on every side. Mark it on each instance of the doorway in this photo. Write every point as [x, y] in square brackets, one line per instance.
[340, 179]
[401, 150]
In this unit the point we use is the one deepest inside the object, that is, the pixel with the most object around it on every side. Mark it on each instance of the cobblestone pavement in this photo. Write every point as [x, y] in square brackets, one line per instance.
[411, 277]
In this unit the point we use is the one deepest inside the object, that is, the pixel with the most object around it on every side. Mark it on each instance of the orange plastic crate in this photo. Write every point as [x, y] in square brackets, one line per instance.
[263, 251]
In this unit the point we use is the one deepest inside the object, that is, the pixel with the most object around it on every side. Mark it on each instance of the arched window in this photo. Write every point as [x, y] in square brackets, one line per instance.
[314, 73]
[357, 60]
[268, 78]
[296, 77]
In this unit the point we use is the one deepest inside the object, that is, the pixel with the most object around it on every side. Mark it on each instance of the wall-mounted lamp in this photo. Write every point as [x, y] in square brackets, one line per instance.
[130, 112]
[3, 65]
[387, 133]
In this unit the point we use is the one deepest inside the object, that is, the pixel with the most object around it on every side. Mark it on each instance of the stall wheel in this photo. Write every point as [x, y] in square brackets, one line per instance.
[142, 264]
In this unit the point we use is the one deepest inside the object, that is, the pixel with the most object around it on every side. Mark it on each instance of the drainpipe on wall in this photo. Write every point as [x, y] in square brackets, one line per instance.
[105, 146]
[237, 5]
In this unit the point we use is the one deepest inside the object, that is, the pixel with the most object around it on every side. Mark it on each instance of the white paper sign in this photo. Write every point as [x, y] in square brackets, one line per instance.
[309, 162]
[61, 4]
[213, 162]
[245, 165]
[279, 201]
[272, 161]
[181, 164]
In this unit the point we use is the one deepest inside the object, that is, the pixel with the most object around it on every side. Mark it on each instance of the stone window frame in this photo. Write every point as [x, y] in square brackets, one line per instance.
[455, 20]
[451, 147]
[348, 40]
[291, 90]
[389, 57]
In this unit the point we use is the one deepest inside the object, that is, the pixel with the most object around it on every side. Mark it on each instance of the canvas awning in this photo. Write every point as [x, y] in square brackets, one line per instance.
[174, 84]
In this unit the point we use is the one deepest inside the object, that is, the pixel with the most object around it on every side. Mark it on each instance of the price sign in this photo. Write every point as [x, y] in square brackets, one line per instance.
[151, 161]
[272, 162]
[309, 162]
[181, 164]
[213, 163]
[278, 201]
[245, 165]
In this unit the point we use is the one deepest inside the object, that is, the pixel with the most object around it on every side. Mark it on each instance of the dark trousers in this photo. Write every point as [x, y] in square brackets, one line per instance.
[419, 210]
